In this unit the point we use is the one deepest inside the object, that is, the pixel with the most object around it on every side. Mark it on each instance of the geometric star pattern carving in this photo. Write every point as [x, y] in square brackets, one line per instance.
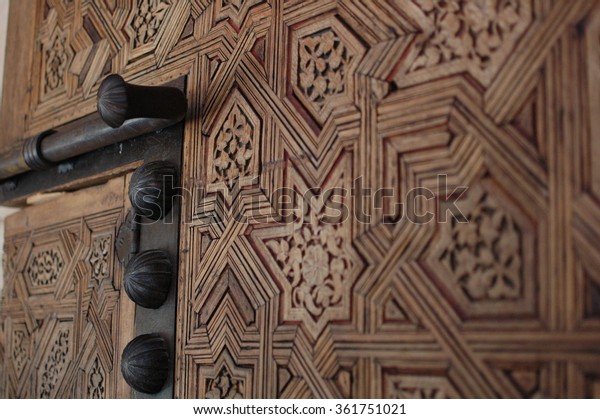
[64, 335]
[497, 96]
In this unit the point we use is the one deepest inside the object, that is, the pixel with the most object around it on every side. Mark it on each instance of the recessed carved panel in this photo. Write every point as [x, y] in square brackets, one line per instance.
[100, 257]
[233, 149]
[467, 35]
[44, 267]
[147, 19]
[234, 145]
[57, 58]
[466, 29]
[485, 255]
[97, 381]
[486, 260]
[314, 262]
[55, 361]
[324, 56]
[224, 386]
[322, 67]
[20, 350]
[313, 250]
[225, 381]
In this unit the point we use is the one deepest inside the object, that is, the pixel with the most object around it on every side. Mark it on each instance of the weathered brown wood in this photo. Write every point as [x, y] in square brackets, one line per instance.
[500, 97]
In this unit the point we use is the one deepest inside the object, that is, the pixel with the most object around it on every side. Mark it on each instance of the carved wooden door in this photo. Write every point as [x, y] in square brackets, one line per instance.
[364, 116]
[65, 318]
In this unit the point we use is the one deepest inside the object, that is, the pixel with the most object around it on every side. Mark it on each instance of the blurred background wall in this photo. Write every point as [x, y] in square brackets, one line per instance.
[4, 212]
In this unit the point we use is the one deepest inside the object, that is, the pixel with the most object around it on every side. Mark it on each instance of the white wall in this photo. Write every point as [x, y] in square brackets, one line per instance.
[3, 28]
[4, 212]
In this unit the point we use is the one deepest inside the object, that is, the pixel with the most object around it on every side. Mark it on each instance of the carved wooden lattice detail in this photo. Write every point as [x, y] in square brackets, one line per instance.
[97, 381]
[469, 34]
[100, 258]
[315, 255]
[224, 386]
[234, 147]
[314, 262]
[57, 359]
[20, 350]
[322, 67]
[485, 253]
[324, 55]
[44, 267]
[57, 61]
[147, 20]
[387, 97]
[68, 342]
[466, 29]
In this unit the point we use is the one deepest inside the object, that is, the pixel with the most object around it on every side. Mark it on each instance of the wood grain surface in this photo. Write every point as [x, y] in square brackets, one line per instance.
[378, 99]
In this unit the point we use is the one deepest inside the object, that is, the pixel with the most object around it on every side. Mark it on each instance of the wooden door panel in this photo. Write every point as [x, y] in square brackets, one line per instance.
[64, 320]
[370, 100]
[377, 305]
